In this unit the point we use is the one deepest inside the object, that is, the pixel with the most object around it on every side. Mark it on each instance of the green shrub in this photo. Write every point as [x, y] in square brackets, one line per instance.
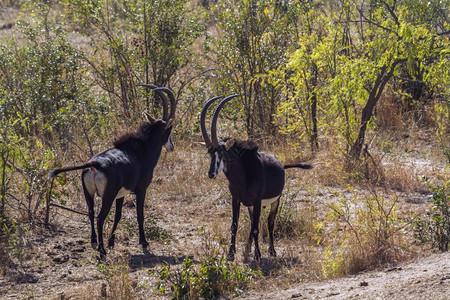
[155, 232]
[434, 226]
[211, 279]
[12, 241]
[366, 232]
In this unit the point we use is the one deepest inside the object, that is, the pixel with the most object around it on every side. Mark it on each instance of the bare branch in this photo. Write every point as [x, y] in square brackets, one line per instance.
[391, 12]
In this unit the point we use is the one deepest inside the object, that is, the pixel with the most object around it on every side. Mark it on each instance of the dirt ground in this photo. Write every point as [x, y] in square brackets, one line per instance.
[424, 278]
[60, 263]
[64, 266]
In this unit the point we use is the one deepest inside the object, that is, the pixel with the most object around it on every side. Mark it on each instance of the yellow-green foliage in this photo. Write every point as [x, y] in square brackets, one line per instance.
[366, 232]
[213, 278]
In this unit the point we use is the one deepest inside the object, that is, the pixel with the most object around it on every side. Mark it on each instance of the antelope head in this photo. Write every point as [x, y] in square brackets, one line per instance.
[216, 148]
[167, 117]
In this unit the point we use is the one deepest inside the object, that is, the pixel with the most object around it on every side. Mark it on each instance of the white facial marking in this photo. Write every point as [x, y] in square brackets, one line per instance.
[219, 164]
[169, 145]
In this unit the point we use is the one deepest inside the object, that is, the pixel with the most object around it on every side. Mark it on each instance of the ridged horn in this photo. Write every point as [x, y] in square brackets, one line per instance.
[214, 139]
[202, 120]
[160, 97]
[173, 101]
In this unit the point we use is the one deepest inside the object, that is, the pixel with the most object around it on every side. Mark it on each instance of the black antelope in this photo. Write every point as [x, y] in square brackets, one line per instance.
[256, 179]
[126, 168]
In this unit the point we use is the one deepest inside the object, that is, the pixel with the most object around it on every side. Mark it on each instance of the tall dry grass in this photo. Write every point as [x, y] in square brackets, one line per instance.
[196, 212]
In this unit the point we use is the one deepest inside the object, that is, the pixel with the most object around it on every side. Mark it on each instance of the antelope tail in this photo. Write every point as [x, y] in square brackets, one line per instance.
[55, 172]
[299, 165]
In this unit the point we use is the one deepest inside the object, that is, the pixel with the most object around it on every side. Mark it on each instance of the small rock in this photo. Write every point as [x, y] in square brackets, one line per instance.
[30, 278]
[446, 277]
[27, 278]
[103, 290]
[79, 250]
[394, 269]
[60, 259]
[363, 283]
[294, 296]
[332, 295]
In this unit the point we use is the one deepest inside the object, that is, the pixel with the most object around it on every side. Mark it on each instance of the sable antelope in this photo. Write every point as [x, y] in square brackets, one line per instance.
[256, 179]
[126, 168]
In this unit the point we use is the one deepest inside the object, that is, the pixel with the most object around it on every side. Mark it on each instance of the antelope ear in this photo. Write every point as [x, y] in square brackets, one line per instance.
[169, 123]
[149, 118]
[229, 144]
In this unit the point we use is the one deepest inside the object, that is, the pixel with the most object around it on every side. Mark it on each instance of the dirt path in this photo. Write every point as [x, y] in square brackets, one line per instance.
[60, 264]
[425, 278]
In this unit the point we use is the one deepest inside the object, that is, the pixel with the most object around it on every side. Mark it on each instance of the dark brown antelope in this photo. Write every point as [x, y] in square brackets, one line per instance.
[255, 179]
[126, 168]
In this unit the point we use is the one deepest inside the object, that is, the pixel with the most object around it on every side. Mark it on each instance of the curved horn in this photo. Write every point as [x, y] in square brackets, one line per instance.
[173, 101]
[202, 120]
[148, 85]
[160, 97]
[163, 99]
[214, 139]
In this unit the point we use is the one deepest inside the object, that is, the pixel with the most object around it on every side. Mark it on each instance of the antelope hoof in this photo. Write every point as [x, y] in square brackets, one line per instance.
[102, 251]
[111, 242]
[272, 252]
[230, 256]
[144, 244]
[94, 242]
[257, 256]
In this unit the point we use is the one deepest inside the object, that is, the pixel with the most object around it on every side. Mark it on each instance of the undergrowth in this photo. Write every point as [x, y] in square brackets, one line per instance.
[153, 231]
[212, 278]
[117, 278]
[434, 226]
[12, 248]
[366, 233]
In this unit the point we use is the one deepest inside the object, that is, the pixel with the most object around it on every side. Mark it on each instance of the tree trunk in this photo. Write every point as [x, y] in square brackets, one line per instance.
[313, 92]
[375, 94]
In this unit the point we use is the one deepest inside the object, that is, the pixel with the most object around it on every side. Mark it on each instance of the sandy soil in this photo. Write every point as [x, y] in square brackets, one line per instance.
[424, 278]
[60, 263]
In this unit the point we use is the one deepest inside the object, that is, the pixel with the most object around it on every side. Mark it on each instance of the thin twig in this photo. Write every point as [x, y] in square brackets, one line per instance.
[69, 209]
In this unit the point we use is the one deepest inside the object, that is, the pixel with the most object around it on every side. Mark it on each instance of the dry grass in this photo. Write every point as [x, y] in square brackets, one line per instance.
[196, 212]
[298, 228]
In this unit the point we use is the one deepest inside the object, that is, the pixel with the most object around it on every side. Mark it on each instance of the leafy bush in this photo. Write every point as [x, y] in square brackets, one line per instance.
[366, 233]
[12, 240]
[152, 229]
[434, 227]
[155, 232]
[212, 279]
